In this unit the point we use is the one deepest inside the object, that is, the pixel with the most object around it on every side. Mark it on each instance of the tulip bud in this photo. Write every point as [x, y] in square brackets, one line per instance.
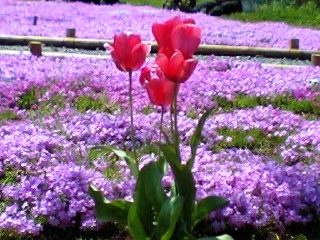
[160, 90]
[177, 68]
[177, 34]
[127, 51]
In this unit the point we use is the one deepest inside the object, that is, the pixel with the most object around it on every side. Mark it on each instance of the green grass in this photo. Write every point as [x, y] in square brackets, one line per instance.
[7, 115]
[10, 177]
[28, 99]
[48, 107]
[306, 15]
[85, 103]
[155, 3]
[148, 109]
[260, 143]
[307, 108]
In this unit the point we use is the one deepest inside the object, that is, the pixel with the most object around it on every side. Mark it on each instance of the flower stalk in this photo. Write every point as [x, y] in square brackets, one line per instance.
[176, 136]
[161, 123]
[132, 130]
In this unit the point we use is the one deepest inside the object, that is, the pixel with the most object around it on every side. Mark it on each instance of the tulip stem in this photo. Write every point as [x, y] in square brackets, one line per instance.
[175, 114]
[133, 142]
[161, 123]
[171, 120]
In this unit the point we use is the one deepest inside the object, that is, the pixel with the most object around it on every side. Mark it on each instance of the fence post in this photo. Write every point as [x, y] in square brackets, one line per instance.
[35, 48]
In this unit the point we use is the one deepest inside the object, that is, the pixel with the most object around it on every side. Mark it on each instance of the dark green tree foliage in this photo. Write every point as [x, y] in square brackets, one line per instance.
[183, 5]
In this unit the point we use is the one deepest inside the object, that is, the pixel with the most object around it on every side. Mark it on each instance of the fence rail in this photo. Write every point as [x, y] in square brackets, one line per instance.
[206, 49]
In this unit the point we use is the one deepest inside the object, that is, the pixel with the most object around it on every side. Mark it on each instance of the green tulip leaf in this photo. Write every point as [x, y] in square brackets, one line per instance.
[163, 164]
[149, 195]
[135, 225]
[170, 154]
[102, 150]
[109, 211]
[206, 206]
[132, 164]
[166, 136]
[168, 217]
[222, 237]
[185, 187]
[196, 137]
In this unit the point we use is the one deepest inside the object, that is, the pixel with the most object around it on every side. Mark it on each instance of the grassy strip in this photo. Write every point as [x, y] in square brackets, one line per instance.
[155, 3]
[307, 108]
[85, 103]
[307, 15]
[7, 115]
[254, 139]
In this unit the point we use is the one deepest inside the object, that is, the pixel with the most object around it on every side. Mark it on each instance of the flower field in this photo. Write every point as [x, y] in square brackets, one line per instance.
[264, 159]
[260, 148]
[104, 21]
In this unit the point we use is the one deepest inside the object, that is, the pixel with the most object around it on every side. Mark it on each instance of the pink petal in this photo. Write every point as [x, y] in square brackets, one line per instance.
[158, 31]
[186, 38]
[162, 31]
[121, 51]
[145, 76]
[163, 62]
[175, 64]
[188, 68]
[133, 40]
[138, 56]
[155, 92]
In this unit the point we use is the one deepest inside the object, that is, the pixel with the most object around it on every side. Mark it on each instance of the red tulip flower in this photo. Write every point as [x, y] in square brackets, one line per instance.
[128, 52]
[186, 39]
[176, 68]
[160, 90]
[177, 34]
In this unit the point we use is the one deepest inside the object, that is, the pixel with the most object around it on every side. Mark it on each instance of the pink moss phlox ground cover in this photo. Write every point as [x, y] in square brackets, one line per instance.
[261, 191]
[305, 144]
[48, 156]
[30, 148]
[92, 21]
[59, 194]
[71, 78]
[294, 188]
[278, 194]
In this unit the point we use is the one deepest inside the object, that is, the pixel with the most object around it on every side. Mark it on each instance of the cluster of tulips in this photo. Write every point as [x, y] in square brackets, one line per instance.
[155, 214]
[177, 39]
